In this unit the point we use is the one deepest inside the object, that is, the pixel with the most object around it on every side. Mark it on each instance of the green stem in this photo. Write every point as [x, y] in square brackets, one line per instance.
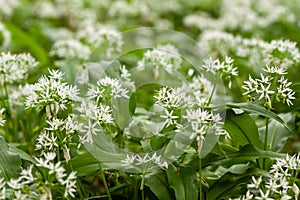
[104, 181]
[266, 140]
[200, 166]
[266, 133]
[142, 186]
[6, 96]
[212, 93]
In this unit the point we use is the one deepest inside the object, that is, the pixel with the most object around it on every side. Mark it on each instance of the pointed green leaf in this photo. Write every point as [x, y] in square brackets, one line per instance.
[242, 129]
[159, 185]
[10, 163]
[23, 39]
[257, 109]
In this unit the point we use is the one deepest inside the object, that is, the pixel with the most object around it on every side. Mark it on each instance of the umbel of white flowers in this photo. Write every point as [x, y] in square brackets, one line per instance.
[272, 87]
[278, 183]
[14, 67]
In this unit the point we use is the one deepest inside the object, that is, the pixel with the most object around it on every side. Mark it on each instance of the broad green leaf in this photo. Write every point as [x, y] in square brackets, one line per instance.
[24, 40]
[23, 155]
[10, 163]
[181, 180]
[246, 154]
[257, 109]
[158, 184]
[220, 171]
[242, 129]
[175, 182]
[278, 135]
[84, 164]
[229, 185]
[121, 113]
[70, 69]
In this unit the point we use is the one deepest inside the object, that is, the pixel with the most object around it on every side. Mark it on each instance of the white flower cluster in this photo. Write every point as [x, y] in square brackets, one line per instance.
[289, 53]
[92, 118]
[244, 15]
[38, 184]
[123, 10]
[144, 164]
[59, 135]
[283, 53]
[106, 89]
[197, 92]
[7, 7]
[225, 68]
[2, 119]
[57, 171]
[218, 43]
[279, 183]
[5, 37]
[52, 93]
[164, 57]
[202, 122]
[14, 67]
[182, 101]
[95, 35]
[18, 95]
[74, 12]
[270, 88]
[70, 49]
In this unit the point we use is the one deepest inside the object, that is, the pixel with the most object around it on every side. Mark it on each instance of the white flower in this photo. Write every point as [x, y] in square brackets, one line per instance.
[165, 57]
[265, 92]
[7, 7]
[198, 115]
[170, 97]
[108, 88]
[283, 53]
[5, 36]
[91, 129]
[92, 118]
[263, 86]
[46, 141]
[49, 156]
[27, 176]
[170, 118]
[275, 70]
[129, 160]
[70, 184]
[20, 196]
[16, 184]
[145, 162]
[52, 93]
[2, 183]
[15, 67]
[2, 119]
[263, 196]
[250, 86]
[70, 49]
[97, 35]
[255, 182]
[225, 68]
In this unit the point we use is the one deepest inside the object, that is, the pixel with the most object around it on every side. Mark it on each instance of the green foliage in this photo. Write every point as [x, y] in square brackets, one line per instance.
[10, 163]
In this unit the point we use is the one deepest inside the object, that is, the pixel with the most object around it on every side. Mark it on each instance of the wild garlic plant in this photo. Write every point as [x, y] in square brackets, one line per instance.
[279, 183]
[273, 87]
[46, 179]
[52, 94]
[15, 67]
[91, 106]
